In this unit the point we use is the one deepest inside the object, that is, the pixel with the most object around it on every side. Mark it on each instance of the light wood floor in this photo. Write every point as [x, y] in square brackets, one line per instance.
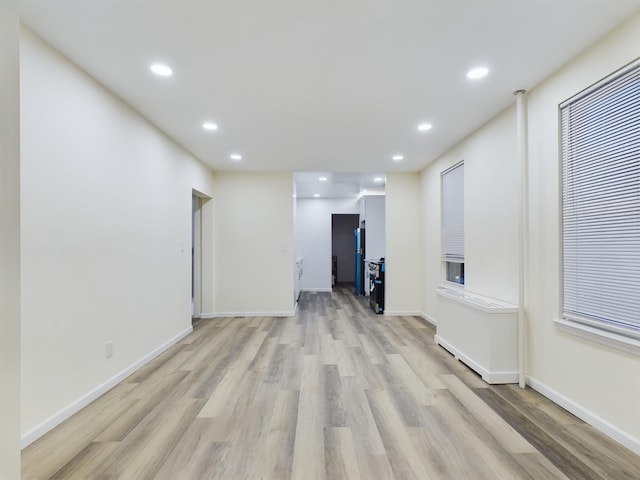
[336, 392]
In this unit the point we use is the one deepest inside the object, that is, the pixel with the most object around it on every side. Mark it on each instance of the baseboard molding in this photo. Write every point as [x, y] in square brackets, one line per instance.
[317, 290]
[488, 376]
[203, 316]
[591, 418]
[74, 407]
[429, 319]
[288, 313]
[422, 315]
[392, 313]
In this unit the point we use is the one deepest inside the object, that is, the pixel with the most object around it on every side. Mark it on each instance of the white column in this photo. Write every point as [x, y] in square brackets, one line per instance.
[522, 235]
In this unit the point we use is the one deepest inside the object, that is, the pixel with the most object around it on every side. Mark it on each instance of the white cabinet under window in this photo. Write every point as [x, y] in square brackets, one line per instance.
[480, 332]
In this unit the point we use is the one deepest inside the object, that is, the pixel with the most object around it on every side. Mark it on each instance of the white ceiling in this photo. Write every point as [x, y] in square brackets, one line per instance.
[321, 85]
[339, 185]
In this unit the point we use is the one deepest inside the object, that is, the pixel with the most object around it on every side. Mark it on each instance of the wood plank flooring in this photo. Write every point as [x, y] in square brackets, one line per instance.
[335, 392]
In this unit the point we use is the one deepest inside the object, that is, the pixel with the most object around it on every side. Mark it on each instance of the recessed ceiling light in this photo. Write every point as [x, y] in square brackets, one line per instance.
[322, 179]
[161, 70]
[235, 156]
[378, 179]
[423, 127]
[478, 72]
[210, 126]
[397, 158]
[316, 195]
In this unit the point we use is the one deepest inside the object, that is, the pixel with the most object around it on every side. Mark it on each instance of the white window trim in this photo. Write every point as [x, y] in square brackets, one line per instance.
[598, 335]
[617, 337]
[444, 282]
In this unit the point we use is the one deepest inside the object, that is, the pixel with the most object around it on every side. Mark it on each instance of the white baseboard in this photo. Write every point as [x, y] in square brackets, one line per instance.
[422, 315]
[488, 376]
[329, 290]
[288, 313]
[429, 319]
[392, 313]
[617, 434]
[74, 407]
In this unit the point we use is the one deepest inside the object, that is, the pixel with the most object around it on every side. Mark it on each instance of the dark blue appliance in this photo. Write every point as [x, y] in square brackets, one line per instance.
[359, 245]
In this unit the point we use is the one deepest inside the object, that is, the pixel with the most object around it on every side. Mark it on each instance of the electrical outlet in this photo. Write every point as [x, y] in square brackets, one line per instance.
[109, 349]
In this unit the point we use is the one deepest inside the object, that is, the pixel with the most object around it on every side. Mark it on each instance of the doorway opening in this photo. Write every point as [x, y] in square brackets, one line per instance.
[343, 250]
[196, 255]
[201, 256]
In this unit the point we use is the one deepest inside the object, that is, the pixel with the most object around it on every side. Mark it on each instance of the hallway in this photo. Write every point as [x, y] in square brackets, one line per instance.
[335, 392]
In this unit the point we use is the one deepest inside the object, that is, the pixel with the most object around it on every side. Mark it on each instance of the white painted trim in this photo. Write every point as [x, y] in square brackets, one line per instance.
[429, 319]
[598, 335]
[290, 313]
[74, 407]
[480, 302]
[329, 290]
[422, 315]
[389, 313]
[487, 376]
[597, 422]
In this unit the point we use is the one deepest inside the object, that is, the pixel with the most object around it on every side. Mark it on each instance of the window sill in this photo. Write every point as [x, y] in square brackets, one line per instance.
[479, 302]
[610, 339]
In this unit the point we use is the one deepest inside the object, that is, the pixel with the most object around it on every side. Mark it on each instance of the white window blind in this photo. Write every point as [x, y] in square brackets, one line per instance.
[601, 204]
[453, 213]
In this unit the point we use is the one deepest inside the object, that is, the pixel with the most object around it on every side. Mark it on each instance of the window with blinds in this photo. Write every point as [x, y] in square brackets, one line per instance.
[453, 223]
[600, 135]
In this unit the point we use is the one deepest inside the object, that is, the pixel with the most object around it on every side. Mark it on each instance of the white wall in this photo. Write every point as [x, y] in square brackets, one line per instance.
[9, 242]
[106, 226]
[373, 212]
[597, 380]
[254, 243]
[207, 254]
[313, 238]
[404, 245]
[599, 384]
[491, 190]
[296, 267]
